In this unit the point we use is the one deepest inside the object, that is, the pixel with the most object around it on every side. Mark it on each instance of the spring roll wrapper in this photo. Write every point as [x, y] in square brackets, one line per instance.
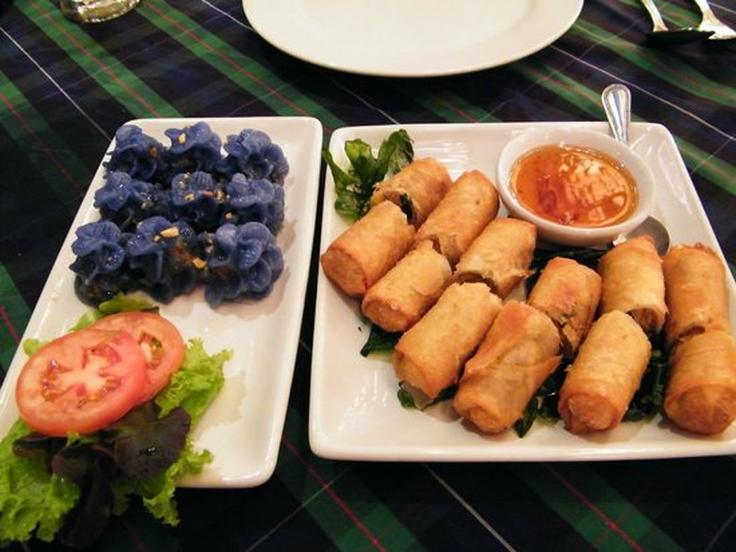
[368, 249]
[430, 355]
[701, 390]
[605, 375]
[500, 256]
[633, 282]
[399, 299]
[695, 281]
[568, 293]
[424, 182]
[461, 216]
[516, 356]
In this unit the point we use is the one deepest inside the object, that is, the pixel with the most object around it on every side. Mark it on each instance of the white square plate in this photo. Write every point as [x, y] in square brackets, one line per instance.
[354, 412]
[243, 425]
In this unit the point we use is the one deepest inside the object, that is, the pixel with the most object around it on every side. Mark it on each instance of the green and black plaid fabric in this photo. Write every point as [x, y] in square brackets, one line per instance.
[65, 89]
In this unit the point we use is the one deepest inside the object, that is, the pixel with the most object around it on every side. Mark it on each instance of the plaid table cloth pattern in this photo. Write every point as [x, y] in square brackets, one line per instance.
[66, 88]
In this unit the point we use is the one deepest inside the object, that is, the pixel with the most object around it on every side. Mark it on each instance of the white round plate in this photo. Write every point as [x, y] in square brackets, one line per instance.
[411, 38]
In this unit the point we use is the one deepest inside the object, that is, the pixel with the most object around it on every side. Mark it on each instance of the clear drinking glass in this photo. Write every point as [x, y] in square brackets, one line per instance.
[94, 11]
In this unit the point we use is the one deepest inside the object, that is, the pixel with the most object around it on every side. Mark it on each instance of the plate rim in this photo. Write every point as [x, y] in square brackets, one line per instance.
[310, 179]
[324, 446]
[274, 40]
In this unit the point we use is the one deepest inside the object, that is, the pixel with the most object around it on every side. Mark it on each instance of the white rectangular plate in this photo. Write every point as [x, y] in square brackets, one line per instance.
[354, 412]
[243, 425]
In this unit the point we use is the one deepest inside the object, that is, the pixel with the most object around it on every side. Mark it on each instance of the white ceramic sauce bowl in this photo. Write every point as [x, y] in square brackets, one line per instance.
[571, 235]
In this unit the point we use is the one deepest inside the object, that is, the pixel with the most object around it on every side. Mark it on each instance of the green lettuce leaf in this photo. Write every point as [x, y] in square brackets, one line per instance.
[119, 303]
[162, 504]
[30, 497]
[30, 346]
[196, 383]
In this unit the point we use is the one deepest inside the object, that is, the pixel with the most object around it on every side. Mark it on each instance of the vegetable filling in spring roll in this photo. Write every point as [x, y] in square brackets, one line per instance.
[516, 356]
[633, 283]
[500, 256]
[468, 207]
[430, 355]
[696, 292]
[568, 293]
[701, 391]
[368, 249]
[605, 375]
[408, 290]
[418, 188]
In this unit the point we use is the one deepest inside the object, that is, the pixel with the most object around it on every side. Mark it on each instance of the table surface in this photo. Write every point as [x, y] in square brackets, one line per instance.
[66, 88]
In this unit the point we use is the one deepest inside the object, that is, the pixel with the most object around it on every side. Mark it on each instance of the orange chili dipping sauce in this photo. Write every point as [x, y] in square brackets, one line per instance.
[574, 186]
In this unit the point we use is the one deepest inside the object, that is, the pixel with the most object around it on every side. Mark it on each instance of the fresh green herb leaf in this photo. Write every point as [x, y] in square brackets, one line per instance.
[586, 256]
[409, 400]
[119, 303]
[30, 346]
[196, 383]
[649, 398]
[405, 398]
[31, 498]
[86, 320]
[524, 424]
[380, 341]
[126, 303]
[395, 153]
[354, 186]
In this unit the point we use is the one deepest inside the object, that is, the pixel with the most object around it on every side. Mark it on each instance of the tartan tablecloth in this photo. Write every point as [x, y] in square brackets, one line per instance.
[65, 89]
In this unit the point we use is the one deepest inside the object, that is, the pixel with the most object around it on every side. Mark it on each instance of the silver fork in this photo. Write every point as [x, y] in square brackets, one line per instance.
[710, 22]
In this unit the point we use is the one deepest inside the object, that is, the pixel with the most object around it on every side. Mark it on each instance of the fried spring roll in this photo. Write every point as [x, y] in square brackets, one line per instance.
[368, 249]
[516, 356]
[430, 355]
[633, 283]
[468, 207]
[568, 293]
[696, 292]
[605, 375]
[701, 391]
[399, 299]
[420, 185]
[500, 256]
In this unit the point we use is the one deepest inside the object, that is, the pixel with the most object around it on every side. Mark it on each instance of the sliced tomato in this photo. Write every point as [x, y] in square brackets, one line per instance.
[81, 382]
[161, 342]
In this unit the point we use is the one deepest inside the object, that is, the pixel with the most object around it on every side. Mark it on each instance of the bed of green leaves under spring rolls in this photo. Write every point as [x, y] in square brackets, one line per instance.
[646, 402]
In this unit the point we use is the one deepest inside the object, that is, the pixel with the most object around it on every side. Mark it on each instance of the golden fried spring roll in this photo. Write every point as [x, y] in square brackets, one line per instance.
[568, 293]
[605, 375]
[420, 185]
[516, 356]
[430, 355]
[368, 249]
[696, 292]
[500, 256]
[468, 207]
[701, 391]
[633, 283]
[408, 290]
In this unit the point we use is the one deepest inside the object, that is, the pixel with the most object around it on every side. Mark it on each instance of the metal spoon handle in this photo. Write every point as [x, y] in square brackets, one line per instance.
[616, 100]
[657, 21]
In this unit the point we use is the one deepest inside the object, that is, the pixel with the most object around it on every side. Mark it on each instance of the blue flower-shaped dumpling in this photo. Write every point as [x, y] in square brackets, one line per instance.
[193, 148]
[257, 200]
[136, 153]
[99, 250]
[165, 253]
[198, 199]
[242, 261]
[252, 153]
[125, 200]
